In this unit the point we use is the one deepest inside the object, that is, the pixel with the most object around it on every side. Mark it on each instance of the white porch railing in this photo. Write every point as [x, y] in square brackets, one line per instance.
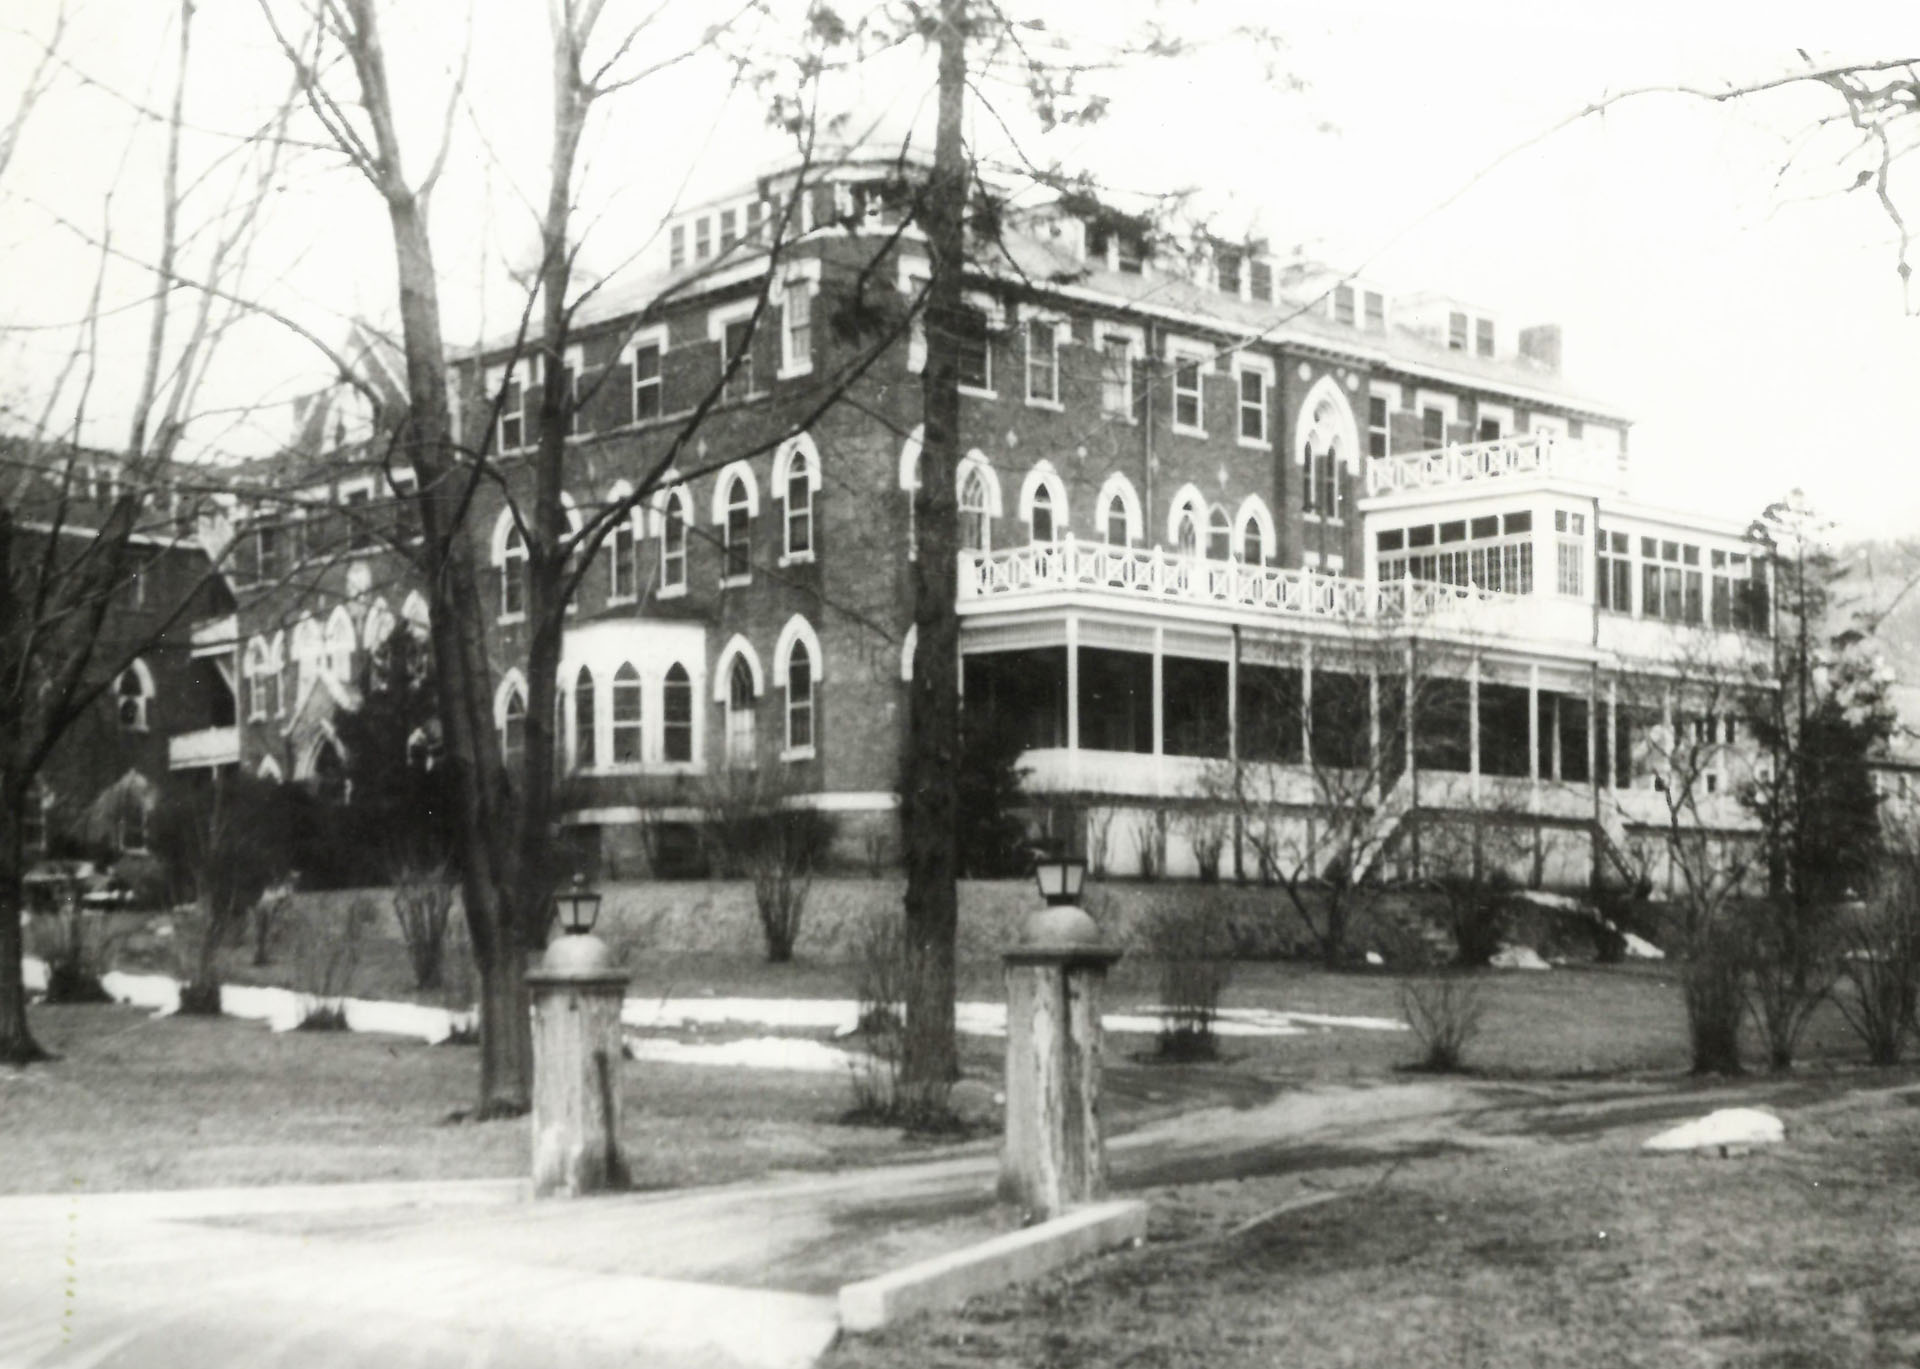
[1531, 454]
[1135, 574]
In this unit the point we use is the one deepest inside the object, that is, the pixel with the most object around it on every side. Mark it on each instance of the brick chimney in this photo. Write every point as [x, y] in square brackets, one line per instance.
[1540, 344]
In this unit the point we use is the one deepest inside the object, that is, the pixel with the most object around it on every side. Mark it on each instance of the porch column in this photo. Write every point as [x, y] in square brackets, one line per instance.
[1373, 728]
[1233, 694]
[1159, 691]
[1613, 731]
[1073, 682]
[1306, 701]
[1533, 724]
[1473, 726]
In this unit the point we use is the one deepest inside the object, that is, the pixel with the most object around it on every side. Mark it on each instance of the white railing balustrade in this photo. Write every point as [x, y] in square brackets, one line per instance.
[1136, 573]
[1528, 454]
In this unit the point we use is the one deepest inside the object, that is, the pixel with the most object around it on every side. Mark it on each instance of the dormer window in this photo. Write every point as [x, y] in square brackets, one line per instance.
[1376, 304]
[1456, 331]
[1229, 268]
[1343, 304]
[1483, 337]
[1260, 280]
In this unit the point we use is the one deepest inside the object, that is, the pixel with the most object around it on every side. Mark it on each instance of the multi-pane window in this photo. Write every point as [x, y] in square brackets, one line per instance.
[359, 525]
[1672, 586]
[1456, 331]
[1186, 537]
[702, 238]
[131, 697]
[1043, 362]
[1260, 280]
[626, 715]
[1116, 521]
[797, 323]
[1570, 553]
[33, 821]
[740, 703]
[268, 541]
[1253, 547]
[1491, 552]
[799, 520]
[1219, 536]
[1186, 393]
[678, 238]
[583, 725]
[1378, 425]
[1739, 592]
[1433, 427]
[1116, 375]
[646, 382]
[736, 359]
[973, 353]
[1483, 337]
[737, 541]
[1343, 304]
[799, 697]
[1614, 572]
[1376, 311]
[1041, 528]
[975, 514]
[1228, 264]
[513, 411]
[1320, 485]
[622, 561]
[673, 542]
[513, 574]
[1253, 406]
[676, 713]
[729, 228]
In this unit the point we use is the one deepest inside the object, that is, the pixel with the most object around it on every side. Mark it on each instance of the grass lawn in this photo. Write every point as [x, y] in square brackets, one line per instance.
[1539, 1253]
[142, 1102]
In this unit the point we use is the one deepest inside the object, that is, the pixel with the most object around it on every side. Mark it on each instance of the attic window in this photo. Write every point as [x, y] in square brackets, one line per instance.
[1132, 253]
[1483, 337]
[1456, 332]
[1343, 304]
[1229, 266]
[1376, 311]
[1260, 275]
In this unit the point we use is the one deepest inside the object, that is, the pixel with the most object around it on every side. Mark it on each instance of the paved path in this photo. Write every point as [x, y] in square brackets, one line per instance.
[473, 1274]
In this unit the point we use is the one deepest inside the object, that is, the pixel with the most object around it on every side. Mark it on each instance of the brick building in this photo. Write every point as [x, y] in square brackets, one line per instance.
[1186, 493]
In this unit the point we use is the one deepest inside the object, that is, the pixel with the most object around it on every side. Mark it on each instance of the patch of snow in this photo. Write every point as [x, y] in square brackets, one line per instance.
[840, 1016]
[33, 973]
[760, 1053]
[1375, 958]
[158, 992]
[1728, 1130]
[1642, 949]
[1518, 958]
[1559, 902]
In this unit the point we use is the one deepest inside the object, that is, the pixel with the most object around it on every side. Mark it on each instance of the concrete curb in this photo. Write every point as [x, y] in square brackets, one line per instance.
[1014, 1258]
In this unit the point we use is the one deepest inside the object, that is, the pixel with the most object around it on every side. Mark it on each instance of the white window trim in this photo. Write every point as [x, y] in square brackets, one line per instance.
[1394, 395]
[1062, 335]
[1135, 339]
[798, 629]
[1255, 508]
[1500, 413]
[1264, 368]
[616, 492]
[655, 336]
[1044, 475]
[494, 377]
[804, 274]
[1180, 351]
[1118, 484]
[801, 446]
[671, 487]
[1188, 499]
[503, 528]
[1553, 423]
[1448, 404]
[722, 488]
[739, 311]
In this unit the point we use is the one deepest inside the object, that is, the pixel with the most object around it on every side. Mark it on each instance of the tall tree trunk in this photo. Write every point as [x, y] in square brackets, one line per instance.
[932, 909]
[17, 1045]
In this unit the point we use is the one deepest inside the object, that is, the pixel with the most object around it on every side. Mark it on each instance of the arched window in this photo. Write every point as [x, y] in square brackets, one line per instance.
[253, 668]
[513, 727]
[1116, 522]
[673, 541]
[1119, 511]
[513, 573]
[796, 478]
[1256, 531]
[676, 711]
[1187, 539]
[1219, 536]
[1043, 503]
[339, 646]
[133, 692]
[626, 715]
[737, 533]
[623, 546]
[740, 710]
[583, 722]
[799, 698]
[1041, 525]
[976, 522]
[330, 772]
[1328, 441]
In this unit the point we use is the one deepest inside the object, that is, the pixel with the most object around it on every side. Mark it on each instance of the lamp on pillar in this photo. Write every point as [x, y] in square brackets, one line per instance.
[1059, 879]
[579, 907]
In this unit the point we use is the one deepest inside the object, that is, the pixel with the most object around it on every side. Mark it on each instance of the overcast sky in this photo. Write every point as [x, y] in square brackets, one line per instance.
[1753, 327]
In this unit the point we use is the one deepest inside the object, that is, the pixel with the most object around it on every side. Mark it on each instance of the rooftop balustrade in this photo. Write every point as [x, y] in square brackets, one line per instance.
[1505, 458]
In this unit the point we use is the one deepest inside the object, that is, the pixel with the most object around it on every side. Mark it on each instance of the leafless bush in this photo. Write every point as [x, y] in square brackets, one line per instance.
[325, 960]
[423, 906]
[1099, 841]
[1714, 985]
[1207, 832]
[776, 846]
[267, 917]
[1192, 948]
[1146, 845]
[1445, 1007]
[1880, 962]
[1793, 966]
[882, 1095]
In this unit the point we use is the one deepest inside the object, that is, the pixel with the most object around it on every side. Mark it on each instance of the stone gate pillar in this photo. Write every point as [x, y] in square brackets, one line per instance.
[577, 992]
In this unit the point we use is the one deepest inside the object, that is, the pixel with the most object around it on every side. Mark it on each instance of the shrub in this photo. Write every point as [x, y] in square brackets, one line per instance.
[223, 845]
[1191, 945]
[1146, 845]
[1714, 984]
[326, 957]
[777, 847]
[1474, 906]
[881, 1095]
[423, 906]
[1880, 964]
[1445, 1008]
[1791, 967]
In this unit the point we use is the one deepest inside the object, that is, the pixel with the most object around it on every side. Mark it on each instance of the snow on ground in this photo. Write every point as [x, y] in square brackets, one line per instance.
[974, 1019]
[760, 1052]
[1518, 958]
[1729, 1127]
[1642, 949]
[33, 973]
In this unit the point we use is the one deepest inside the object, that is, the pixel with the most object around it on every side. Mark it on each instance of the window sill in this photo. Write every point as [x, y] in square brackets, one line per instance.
[794, 372]
[613, 599]
[795, 558]
[735, 581]
[1182, 430]
[671, 592]
[1334, 522]
[1258, 444]
[1115, 416]
[1052, 405]
[979, 394]
[508, 619]
[797, 753]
